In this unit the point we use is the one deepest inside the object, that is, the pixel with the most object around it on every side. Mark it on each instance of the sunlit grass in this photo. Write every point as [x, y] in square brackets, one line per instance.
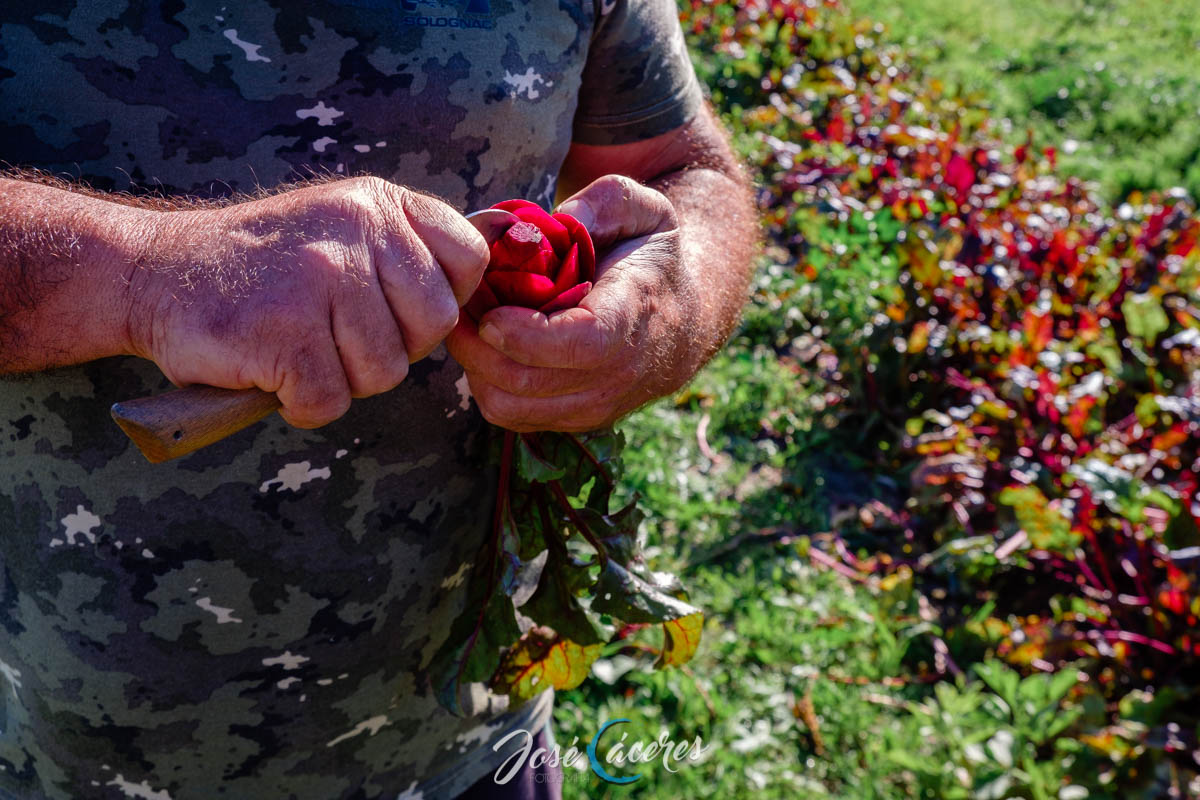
[1111, 83]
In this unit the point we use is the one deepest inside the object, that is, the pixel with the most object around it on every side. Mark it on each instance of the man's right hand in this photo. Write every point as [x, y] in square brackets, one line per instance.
[319, 294]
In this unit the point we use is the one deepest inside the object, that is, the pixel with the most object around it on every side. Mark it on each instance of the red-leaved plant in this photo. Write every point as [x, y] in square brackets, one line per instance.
[1024, 354]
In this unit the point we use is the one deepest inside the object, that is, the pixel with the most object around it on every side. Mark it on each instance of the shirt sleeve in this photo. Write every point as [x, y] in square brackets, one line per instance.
[638, 81]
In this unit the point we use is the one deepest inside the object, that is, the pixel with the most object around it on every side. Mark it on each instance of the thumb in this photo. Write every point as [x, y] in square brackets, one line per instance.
[459, 249]
[616, 207]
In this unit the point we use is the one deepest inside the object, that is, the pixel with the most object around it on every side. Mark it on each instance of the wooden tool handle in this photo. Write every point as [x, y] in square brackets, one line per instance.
[178, 422]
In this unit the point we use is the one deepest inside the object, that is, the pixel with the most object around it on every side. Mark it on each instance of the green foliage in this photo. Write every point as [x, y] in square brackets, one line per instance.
[571, 563]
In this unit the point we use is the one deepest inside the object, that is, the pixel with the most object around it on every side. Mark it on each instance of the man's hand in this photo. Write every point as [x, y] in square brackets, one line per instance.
[672, 273]
[627, 342]
[319, 294]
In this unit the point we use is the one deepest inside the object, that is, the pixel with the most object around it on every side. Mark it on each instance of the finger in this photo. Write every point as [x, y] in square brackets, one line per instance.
[489, 364]
[311, 383]
[616, 207]
[584, 338]
[458, 248]
[368, 339]
[419, 294]
[581, 411]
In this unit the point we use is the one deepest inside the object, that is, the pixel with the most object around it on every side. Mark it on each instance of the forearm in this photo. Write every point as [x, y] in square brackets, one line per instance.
[719, 236]
[65, 259]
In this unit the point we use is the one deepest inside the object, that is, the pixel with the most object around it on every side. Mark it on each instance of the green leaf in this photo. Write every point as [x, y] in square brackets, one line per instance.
[533, 540]
[604, 445]
[1062, 720]
[509, 560]
[556, 501]
[533, 468]
[554, 604]
[1061, 683]
[910, 761]
[1121, 490]
[471, 652]
[1001, 679]
[1046, 527]
[618, 531]
[1107, 352]
[590, 463]
[1181, 531]
[1144, 316]
[627, 596]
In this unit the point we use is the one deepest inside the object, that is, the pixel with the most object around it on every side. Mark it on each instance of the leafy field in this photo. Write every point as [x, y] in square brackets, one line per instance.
[1112, 83]
[938, 496]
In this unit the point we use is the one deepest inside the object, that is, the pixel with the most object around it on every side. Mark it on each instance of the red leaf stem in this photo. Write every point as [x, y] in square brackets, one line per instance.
[588, 455]
[561, 495]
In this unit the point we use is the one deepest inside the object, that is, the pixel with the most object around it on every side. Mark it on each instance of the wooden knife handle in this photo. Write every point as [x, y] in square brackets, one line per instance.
[178, 422]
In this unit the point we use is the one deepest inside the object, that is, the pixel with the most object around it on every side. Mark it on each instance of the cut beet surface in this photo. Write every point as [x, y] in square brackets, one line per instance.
[568, 299]
[521, 288]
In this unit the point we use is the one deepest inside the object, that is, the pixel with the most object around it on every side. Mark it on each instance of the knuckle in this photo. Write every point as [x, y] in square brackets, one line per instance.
[320, 404]
[414, 205]
[326, 398]
[439, 319]
[621, 184]
[372, 205]
[372, 189]
[334, 262]
[419, 204]
[443, 311]
[382, 376]
[391, 202]
[307, 370]
[355, 193]
[317, 385]
[377, 184]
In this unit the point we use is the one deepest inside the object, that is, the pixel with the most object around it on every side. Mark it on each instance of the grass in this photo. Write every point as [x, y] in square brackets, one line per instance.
[1111, 83]
[801, 672]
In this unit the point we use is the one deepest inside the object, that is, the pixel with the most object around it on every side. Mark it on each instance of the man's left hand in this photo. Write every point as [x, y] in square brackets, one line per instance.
[627, 342]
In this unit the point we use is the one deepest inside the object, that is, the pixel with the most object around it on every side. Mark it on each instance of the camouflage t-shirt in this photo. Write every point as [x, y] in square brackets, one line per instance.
[252, 621]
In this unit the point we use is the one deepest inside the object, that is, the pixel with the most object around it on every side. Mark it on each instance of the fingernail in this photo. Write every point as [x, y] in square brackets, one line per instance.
[580, 211]
[492, 335]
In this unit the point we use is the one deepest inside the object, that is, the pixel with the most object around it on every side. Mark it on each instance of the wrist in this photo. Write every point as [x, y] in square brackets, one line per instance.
[142, 261]
[65, 260]
[122, 247]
